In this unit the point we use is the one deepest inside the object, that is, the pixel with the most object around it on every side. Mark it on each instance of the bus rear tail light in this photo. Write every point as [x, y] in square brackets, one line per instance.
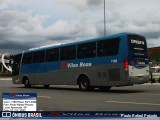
[126, 63]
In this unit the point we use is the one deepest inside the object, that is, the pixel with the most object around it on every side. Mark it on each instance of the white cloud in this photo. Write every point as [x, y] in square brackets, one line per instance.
[5, 3]
[23, 27]
[15, 24]
[24, 24]
[64, 30]
[27, 25]
[82, 5]
[78, 4]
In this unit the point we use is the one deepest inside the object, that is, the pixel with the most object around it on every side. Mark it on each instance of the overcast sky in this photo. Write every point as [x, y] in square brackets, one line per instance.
[26, 24]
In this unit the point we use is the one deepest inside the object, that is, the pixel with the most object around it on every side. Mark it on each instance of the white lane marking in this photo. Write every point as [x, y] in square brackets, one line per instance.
[119, 102]
[45, 97]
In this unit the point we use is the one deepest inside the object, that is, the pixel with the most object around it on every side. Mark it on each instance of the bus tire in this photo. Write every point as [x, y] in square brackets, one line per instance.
[46, 86]
[26, 83]
[84, 83]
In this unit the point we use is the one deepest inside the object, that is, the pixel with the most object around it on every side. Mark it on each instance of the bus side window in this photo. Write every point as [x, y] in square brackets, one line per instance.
[68, 53]
[86, 50]
[38, 56]
[108, 47]
[52, 55]
[27, 58]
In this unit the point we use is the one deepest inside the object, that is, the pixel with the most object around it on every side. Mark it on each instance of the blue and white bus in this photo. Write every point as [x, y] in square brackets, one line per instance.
[115, 60]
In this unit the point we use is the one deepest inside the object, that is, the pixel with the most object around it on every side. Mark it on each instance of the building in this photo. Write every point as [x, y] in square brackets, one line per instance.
[151, 51]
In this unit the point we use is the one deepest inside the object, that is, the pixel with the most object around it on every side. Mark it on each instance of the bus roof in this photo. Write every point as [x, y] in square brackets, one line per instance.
[79, 42]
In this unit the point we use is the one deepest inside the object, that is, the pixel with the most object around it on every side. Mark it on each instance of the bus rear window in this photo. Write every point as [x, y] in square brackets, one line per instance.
[137, 43]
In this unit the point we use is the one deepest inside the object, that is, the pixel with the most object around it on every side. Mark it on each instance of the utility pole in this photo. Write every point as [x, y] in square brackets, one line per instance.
[104, 18]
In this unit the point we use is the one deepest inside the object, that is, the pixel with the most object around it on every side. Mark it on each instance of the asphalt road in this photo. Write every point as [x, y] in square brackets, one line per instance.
[69, 98]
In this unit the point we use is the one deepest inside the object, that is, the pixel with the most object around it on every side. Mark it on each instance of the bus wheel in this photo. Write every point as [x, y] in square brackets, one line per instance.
[26, 83]
[84, 83]
[46, 86]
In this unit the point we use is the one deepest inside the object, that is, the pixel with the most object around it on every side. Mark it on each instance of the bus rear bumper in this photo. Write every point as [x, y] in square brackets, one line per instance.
[139, 79]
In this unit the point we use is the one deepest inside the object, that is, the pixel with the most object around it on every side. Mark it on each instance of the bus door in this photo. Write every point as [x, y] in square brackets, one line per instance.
[138, 56]
[16, 64]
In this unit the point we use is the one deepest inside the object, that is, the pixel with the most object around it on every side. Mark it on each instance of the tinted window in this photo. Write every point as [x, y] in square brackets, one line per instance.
[87, 50]
[27, 58]
[137, 43]
[68, 53]
[108, 47]
[38, 56]
[52, 55]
